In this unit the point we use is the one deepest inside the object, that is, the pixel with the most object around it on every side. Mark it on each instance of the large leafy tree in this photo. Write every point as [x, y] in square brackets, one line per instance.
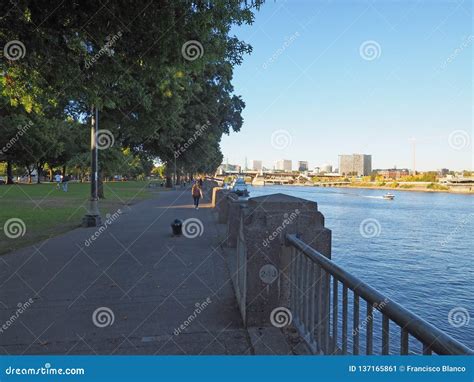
[128, 59]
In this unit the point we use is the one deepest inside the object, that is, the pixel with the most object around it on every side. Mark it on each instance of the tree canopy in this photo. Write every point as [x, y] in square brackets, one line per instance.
[159, 72]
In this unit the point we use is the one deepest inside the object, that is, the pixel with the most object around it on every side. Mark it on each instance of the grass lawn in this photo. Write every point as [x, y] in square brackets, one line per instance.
[47, 211]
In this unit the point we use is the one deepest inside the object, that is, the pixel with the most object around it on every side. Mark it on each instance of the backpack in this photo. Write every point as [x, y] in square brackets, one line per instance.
[196, 190]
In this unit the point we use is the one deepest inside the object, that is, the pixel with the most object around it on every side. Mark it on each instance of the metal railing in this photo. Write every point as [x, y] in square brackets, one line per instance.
[314, 281]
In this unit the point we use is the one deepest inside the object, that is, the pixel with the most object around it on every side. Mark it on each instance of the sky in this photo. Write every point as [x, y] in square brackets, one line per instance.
[342, 77]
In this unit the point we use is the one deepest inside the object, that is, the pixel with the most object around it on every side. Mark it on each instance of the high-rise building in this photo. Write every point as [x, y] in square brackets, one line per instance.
[302, 165]
[284, 165]
[256, 165]
[355, 164]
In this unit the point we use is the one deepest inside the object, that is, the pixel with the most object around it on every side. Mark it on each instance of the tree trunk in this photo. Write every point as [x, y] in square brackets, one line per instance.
[10, 173]
[30, 180]
[64, 170]
[39, 171]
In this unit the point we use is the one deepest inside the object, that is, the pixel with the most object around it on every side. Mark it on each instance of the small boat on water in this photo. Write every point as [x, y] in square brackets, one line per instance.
[388, 196]
[240, 187]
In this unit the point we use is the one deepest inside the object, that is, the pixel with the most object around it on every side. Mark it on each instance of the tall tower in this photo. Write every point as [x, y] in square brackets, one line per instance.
[413, 142]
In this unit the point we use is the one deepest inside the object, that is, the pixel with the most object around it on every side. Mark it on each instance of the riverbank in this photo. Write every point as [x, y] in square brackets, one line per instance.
[413, 187]
[421, 188]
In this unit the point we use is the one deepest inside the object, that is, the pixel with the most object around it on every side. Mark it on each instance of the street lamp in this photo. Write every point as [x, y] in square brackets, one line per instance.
[92, 217]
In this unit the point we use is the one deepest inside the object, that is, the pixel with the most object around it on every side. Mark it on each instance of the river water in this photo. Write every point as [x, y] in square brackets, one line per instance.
[417, 249]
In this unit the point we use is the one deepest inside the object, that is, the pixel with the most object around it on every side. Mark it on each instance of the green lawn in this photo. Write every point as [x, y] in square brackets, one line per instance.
[47, 211]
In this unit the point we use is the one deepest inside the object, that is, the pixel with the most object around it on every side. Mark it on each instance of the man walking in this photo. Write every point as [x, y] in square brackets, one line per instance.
[65, 182]
[57, 179]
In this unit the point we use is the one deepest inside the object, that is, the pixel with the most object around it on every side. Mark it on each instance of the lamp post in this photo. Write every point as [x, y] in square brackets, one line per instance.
[92, 217]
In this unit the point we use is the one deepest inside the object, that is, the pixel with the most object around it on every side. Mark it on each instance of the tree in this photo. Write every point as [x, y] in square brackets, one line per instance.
[150, 93]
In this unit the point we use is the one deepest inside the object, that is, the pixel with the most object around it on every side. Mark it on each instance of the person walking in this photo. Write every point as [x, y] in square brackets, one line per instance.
[65, 182]
[57, 179]
[197, 194]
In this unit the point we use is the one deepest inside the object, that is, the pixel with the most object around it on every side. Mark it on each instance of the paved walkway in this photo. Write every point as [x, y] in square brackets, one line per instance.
[153, 293]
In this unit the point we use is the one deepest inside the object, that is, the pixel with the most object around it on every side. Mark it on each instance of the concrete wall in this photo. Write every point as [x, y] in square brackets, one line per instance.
[257, 228]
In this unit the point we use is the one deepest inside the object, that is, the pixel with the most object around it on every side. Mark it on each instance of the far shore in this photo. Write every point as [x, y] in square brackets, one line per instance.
[421, 188]
[416, 189]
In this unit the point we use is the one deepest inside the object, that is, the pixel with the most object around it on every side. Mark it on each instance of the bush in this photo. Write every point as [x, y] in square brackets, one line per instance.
[437, 186]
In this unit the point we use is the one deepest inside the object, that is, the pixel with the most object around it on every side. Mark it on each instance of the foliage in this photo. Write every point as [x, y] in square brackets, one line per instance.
[81, 55]
[430, 176]
[437, 186]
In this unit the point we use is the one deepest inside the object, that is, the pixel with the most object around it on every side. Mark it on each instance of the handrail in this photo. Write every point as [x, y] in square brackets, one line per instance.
[438, 341]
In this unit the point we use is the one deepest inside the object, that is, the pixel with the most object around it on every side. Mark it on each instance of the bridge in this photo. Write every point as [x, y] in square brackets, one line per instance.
[262, 178]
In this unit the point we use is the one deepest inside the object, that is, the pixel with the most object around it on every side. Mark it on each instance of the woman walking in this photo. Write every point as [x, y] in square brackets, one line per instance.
[197, 194]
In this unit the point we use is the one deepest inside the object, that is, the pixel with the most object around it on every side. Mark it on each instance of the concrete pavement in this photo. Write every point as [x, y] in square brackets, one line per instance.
[134, 289]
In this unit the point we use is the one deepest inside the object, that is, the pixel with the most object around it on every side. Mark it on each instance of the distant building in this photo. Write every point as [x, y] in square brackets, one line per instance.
[226, 167]
[325, 168]
[443, 171]
[284, 165]
[393, 173]
[302, 165]
[256, 165]
[355, 164]
[317, 170]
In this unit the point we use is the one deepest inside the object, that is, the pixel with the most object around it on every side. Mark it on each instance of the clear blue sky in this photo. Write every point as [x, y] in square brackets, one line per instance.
[310, 76]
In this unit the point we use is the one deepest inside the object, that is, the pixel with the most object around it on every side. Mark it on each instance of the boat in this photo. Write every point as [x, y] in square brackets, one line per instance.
[389, 196]
[240, 187]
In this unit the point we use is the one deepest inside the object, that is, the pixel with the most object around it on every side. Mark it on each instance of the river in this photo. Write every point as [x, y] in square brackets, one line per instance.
[419, 253]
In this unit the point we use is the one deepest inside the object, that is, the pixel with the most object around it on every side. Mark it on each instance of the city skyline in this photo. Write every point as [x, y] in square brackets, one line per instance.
[355, 77]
